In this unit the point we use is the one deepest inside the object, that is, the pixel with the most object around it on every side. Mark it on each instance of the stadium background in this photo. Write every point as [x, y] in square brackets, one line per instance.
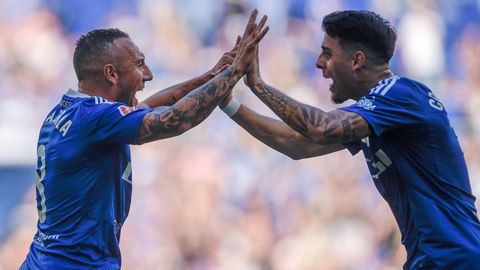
[215, 198]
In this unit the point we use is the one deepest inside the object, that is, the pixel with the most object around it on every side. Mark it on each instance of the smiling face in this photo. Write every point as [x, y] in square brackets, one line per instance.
[337, 65]
[132, 71]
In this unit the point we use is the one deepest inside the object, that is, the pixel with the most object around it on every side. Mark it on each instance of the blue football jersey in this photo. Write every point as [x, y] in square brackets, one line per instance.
[83, 183]
[417, 165]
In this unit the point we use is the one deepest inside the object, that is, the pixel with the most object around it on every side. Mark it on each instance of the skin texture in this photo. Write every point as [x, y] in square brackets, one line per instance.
[182, 106]
[324, 128]
[281, 137]
[132, 71]
[321, 127]
[168, 121]
[306, 131]
[174, 93]
[119, 79]
[189, 111]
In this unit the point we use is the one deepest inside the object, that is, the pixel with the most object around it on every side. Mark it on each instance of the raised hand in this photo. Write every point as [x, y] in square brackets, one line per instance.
[226, 60]
[253, 75]
[252, 35]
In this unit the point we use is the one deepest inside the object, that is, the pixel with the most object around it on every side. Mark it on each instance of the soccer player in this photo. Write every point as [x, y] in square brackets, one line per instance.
[411, 150]
[84, 173]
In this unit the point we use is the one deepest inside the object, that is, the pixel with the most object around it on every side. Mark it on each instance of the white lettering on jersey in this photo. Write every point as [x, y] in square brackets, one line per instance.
[40, 237]
[60, 121]
[366, 103]
[65, 127]
[117, 226]
[50, 117]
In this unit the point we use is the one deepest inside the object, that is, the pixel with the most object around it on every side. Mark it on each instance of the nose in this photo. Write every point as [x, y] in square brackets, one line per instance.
[147, 74]
[320, 63]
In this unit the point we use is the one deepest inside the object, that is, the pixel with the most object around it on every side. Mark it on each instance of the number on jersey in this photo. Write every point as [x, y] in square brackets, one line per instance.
[39, 177]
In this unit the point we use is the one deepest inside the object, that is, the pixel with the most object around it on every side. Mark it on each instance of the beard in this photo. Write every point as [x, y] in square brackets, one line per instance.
[335, 97]
[337, 100]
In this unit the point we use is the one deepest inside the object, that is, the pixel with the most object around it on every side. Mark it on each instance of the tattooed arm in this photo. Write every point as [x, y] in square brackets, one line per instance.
[174, 93]
[169, 121]
[325, 128]
[280, 136]
[189, 111]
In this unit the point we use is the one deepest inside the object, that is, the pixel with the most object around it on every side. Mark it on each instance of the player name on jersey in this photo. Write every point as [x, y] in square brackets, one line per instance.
[62, 124]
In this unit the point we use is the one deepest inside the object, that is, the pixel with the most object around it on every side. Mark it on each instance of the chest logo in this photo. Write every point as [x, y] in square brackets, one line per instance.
[124, 110]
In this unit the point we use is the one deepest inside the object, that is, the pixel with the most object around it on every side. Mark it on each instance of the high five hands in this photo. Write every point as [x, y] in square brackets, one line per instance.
[245, 52]
[246, 46]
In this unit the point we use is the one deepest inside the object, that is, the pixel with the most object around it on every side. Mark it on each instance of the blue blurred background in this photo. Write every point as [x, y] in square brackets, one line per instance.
[215, 198]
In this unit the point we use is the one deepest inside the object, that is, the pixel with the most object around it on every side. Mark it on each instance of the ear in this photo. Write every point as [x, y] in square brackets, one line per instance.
[110, 73]
[359, 60]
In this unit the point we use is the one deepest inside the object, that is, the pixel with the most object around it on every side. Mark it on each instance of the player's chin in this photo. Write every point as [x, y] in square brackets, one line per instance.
[337, 99]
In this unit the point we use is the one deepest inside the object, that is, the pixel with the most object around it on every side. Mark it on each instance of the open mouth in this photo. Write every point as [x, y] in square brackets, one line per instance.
[331, 86]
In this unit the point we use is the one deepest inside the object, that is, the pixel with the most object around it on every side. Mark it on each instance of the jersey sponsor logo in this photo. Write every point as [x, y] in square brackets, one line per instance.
[40, 237]
[124, 110]
[366, 103]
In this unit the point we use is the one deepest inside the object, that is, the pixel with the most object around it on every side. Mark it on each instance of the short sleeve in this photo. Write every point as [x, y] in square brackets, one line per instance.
[112, 122]
[389, 106]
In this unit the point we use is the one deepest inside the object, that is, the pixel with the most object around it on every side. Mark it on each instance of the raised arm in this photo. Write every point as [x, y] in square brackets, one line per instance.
[321, 127]
[189, 111]
[326, 128]
[280, 136]
[174, 93]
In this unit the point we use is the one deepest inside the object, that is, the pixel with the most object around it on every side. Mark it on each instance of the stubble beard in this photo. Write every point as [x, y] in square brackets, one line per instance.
[336, 99]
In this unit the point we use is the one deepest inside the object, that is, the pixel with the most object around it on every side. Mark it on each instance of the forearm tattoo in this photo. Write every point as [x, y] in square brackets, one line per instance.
[189, 111]
[333, 127]
[186, 88]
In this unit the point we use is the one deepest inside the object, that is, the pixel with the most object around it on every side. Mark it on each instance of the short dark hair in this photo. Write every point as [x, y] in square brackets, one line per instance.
[94, 50]
[362, 29]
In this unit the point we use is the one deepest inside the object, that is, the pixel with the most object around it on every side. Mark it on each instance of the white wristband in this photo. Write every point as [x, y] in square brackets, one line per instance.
[232, 108]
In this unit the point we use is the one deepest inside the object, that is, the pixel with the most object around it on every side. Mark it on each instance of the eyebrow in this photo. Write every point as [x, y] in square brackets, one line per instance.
[325, 48]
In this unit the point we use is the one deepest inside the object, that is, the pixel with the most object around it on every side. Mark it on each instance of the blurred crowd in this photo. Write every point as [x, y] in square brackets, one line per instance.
[215, 198]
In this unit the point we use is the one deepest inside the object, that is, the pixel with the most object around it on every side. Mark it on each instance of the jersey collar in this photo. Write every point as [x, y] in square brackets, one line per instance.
[75, 94]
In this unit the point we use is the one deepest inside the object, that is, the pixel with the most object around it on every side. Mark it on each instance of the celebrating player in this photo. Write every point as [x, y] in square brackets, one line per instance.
[411, 149]
[84, 174]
